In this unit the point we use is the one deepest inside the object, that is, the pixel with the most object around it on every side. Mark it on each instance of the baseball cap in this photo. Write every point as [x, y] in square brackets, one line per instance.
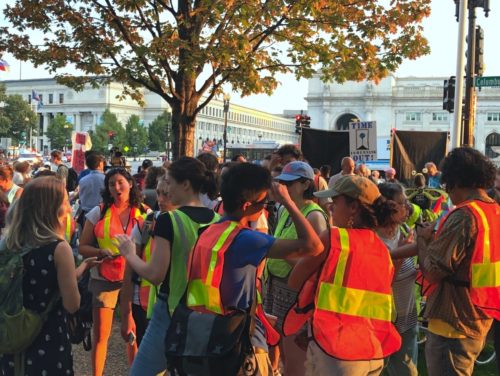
[296, 170]
[355, 186]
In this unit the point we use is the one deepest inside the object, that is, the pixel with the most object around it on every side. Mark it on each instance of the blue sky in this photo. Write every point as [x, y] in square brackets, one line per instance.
[440, 28]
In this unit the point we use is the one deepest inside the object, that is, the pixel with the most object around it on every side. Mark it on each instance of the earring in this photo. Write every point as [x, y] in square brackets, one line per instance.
[350, 222]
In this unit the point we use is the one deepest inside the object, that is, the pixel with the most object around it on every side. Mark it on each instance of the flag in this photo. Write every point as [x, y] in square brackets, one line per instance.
[35, 96]
[39, 106]
[4, 66]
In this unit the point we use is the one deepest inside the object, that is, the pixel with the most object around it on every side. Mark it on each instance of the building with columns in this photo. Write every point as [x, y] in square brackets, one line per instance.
[403, 103]
[84, 110]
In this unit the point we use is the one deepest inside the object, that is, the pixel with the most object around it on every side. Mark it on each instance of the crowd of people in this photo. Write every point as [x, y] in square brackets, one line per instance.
[319, 271]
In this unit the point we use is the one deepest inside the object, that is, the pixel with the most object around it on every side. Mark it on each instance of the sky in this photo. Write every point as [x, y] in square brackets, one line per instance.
[441, 29]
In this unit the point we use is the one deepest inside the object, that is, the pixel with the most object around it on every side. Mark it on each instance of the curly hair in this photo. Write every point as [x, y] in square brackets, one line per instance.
[135, 196]
[465, 167]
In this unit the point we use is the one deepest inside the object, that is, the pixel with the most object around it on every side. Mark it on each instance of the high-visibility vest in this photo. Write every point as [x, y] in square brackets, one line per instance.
[69, 228]
[185, 232]
[484, 284]
[104, 230]
[205, 275]
[353, 303]
[147, 295]
[272, 335]
[285, 229]
[207, 265]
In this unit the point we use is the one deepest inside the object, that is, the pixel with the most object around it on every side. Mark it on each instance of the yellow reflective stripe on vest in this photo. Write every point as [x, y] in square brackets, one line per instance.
[68, 227]
[259, 297]
[215, 251]
[147, 259]
[354, 302]
[344, 255]
[486, 226]
[106, 242]
[349, 301]
[200, 294]
[486, 273]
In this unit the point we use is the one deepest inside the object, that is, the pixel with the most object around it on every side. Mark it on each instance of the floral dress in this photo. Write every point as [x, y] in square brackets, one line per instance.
[50, 354]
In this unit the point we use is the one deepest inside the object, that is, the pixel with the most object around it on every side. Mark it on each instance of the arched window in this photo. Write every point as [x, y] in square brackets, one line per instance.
[492, 149]
[342, 123]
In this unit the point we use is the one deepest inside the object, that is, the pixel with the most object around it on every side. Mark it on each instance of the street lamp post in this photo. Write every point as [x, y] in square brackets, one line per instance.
[135, 143]
[66, 139]
[226, 110]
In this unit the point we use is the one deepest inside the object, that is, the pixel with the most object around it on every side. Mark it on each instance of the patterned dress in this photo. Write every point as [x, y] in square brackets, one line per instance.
[50, 354]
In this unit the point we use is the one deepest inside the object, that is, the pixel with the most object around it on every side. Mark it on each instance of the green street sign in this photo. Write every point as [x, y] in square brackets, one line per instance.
[488, 81]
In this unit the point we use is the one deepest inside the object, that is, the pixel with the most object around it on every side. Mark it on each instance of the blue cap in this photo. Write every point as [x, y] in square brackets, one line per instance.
[296, 170]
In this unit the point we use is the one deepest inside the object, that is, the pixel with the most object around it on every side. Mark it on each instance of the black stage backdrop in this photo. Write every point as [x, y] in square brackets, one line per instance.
[325, 147]
[410, 151]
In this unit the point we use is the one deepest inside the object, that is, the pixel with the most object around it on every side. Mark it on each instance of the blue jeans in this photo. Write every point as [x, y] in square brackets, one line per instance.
[404, 361]
[150, 359]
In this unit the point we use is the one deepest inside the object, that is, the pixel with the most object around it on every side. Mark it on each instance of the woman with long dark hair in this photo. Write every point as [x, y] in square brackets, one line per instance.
[120, 210]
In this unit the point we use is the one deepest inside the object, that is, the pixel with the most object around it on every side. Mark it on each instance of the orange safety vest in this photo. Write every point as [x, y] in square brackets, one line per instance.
[104, 230]
[353, 303]
[484, 285]
[205, 275]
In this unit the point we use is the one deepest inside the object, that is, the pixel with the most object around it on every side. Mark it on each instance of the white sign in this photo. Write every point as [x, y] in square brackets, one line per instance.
[363, 141]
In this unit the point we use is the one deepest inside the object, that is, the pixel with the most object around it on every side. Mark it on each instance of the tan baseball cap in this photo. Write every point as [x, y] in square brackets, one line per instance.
[354, 186]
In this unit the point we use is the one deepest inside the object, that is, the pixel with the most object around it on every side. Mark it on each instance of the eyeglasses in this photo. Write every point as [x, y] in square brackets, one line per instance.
[287, 183]
[264, 202]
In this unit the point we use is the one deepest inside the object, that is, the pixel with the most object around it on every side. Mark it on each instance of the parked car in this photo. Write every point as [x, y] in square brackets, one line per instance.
[31, 158]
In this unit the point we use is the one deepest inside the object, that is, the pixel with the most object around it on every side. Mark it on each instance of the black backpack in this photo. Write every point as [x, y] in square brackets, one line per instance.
[71, 180]
[80, 323]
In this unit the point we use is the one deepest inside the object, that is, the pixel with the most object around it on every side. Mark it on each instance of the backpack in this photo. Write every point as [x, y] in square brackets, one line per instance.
[19, 326]
[71, 180]
[210, 344]
[80, 323]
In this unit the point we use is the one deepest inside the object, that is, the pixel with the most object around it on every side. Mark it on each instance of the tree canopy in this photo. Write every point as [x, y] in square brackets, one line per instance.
[156, 130]
[17, 119]
[136, 136]
[185, 51]
[59, 132]
[108, 133]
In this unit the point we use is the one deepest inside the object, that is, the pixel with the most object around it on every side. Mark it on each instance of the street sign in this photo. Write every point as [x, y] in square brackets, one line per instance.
[493, 81]
[363, 140]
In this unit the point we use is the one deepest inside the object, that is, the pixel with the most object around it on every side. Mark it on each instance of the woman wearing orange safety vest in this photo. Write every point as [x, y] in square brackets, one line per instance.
[462, 264]
[174, 234]
[120, 210]
[138, 294]
[348, 296]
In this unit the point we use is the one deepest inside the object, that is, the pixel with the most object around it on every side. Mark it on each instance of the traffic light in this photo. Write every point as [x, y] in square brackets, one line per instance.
[298, 124]
[306, 121]
[449, 94]
[478, 62]
[111, 135]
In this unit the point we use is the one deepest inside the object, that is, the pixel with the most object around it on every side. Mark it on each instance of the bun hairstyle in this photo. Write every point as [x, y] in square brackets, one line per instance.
[191, 169]
[388, 207]
[374, 215]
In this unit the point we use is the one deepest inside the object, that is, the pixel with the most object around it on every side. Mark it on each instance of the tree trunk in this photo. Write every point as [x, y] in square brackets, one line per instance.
[183, 126]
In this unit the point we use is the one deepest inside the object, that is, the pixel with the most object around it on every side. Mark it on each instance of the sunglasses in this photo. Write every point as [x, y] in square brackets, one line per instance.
[264, 202]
